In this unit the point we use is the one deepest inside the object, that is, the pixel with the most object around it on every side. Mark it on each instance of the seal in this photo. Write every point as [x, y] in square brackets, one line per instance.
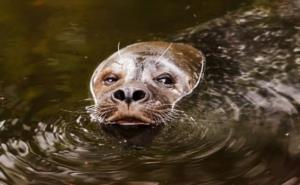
[141, 83]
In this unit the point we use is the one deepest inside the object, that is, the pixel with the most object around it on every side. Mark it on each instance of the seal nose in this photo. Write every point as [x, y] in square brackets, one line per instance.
[119, 95]
[129, 95]
[138, 95]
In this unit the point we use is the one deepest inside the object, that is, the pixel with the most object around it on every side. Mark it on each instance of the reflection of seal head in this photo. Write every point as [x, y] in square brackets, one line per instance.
[141, 83]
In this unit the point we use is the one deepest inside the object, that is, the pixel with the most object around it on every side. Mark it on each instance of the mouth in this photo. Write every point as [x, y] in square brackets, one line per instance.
[129, 120]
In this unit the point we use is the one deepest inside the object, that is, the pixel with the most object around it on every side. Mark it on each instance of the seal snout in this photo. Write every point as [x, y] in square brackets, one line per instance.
[129, 95]
[130, 100]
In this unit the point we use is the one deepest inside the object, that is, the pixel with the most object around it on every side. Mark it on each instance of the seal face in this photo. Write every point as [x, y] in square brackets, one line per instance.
[141, 83]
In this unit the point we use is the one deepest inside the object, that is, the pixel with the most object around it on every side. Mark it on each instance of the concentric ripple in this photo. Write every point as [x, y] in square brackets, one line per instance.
[73, 150]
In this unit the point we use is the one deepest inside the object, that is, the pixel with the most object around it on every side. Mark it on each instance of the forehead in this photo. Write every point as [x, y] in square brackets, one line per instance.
[134, 62]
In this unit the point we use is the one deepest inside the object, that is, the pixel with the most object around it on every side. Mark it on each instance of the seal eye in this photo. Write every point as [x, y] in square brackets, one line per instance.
[166, 80]
[110, 79]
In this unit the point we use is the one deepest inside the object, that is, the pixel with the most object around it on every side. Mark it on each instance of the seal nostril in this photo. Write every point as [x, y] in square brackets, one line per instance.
[119, 95]
[138, 95]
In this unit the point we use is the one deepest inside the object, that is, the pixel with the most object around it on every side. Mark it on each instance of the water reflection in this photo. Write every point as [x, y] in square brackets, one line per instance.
[133, 136]
[82, 152]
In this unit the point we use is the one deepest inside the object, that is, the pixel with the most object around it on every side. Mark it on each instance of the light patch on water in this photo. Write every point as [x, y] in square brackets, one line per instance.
[273, 100]
[2, 124]
[286, 90]
[7, 159]
[235, 107]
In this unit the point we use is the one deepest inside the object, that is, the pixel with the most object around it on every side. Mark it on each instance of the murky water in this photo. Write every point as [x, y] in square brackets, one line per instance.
[49, 50]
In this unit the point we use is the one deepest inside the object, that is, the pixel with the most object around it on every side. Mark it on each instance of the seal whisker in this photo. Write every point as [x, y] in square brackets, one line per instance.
[105, 109]
[155, 116]
[100, 113]
[169, 112]
[163, 115]
[164, 52]
[173, 108]
[119, 53]
[73, 111]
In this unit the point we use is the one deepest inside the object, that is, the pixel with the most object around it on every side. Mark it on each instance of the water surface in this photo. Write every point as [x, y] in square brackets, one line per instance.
[47, 55]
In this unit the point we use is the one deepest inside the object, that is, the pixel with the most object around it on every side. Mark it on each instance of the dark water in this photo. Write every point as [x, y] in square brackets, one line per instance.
[48, 52]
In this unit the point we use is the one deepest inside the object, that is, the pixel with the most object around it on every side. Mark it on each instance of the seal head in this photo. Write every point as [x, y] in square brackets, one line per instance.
[141, 83]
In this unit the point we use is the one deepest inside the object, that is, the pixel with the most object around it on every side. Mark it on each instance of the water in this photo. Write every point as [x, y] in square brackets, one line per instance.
[48, 53]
